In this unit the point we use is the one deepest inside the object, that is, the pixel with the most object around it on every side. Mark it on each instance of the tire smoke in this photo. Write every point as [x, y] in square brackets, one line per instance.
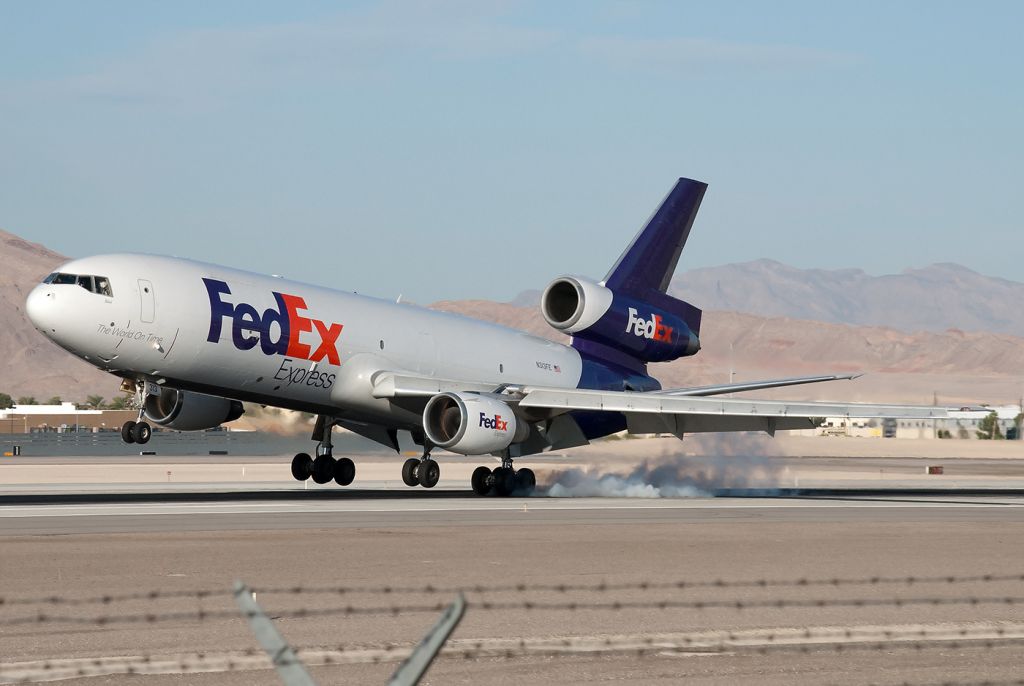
[725, 464]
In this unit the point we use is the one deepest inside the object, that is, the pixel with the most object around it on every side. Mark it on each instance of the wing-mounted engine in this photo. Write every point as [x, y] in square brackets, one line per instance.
[189, 411]
[472, 424]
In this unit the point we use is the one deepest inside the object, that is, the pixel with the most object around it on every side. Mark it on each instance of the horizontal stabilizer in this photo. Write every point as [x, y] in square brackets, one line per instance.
[753, 385]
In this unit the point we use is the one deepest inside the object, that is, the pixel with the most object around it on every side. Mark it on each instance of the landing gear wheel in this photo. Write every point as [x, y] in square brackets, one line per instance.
[479, 480]
[504, 481]
[344, 471]
[323, 469]
[141, 433]
[409, 472]
[126, 432]
[526, 481]
[428, 473]
[302, 466]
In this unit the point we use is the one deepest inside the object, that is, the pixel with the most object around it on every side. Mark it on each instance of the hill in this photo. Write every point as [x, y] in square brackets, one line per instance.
[957, 366]
[935, 298]
[33, 366]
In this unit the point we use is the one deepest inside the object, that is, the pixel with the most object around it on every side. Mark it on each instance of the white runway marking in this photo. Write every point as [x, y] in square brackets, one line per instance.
[522, 505]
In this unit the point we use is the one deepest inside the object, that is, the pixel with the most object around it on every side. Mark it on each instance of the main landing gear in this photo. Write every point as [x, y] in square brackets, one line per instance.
[504, 480]
[421, 472]
[136, 432]
[501, 481]
[324, 467]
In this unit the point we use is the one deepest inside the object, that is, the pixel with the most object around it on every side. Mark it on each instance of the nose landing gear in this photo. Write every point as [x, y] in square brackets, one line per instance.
[324, 468]
[136, 432]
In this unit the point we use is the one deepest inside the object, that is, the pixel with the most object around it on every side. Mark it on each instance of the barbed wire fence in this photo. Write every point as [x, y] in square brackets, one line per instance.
[70, 613]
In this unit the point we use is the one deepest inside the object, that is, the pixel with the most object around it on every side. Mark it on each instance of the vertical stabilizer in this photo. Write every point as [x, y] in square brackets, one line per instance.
[650, 260]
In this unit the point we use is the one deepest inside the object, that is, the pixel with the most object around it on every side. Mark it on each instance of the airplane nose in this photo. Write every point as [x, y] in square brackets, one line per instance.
[39, 307]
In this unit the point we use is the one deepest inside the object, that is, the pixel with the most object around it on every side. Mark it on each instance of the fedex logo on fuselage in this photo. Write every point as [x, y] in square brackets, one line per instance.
[250, 328]
[653, 328]
[495, 422]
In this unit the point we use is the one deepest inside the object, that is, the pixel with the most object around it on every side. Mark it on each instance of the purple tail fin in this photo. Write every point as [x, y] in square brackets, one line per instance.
[650, 260]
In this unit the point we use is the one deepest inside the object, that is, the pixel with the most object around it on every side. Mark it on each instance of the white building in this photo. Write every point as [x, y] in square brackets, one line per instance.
[65, 408]
[962, 424]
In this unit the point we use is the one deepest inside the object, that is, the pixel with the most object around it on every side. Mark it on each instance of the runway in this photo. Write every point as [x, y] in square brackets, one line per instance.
[806, 586]
[184, 511]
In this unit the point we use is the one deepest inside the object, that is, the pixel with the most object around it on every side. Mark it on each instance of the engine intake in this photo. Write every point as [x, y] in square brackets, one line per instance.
[189, 411]
[570, 304]
[471, 424]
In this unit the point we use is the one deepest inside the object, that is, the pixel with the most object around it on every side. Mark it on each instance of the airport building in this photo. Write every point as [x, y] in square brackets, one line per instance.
[23, 419]
[961, 424]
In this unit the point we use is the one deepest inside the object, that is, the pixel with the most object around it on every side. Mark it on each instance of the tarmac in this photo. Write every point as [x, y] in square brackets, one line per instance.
[757, 580]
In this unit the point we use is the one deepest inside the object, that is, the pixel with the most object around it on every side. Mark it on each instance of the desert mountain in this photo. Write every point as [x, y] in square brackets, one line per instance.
[935, 298]
[955, 366]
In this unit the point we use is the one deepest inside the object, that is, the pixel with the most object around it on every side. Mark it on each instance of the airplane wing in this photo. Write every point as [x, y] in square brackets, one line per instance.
[753, 385]
[672, 412]
[658, 413]
[396, 385]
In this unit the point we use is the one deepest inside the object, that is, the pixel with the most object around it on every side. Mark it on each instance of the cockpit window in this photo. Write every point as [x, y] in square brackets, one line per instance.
[94, 284]
[60, 278]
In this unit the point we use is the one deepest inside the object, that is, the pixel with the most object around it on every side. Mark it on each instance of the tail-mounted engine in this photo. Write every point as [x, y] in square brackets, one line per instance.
[471, 424]
[188, 411]
[629, 319]
[654, 328]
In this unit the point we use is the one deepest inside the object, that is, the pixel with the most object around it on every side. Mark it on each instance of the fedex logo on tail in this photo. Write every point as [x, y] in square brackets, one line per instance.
[653, 328]
[495, 422]
[250, 327]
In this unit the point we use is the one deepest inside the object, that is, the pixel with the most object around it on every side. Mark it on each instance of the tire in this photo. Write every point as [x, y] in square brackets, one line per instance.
[344, 471]
[504, 481]
[479, 481]
[142, 432]
[323, 469]
[409, 470]
[126, 432]
[429, 473]
[526, 481]
[302, 467]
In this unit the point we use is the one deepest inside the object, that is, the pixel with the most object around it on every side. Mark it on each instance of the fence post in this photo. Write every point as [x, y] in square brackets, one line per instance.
[284, 659]
[415, 666]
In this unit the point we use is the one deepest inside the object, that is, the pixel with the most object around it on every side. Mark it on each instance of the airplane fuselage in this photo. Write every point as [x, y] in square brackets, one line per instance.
[216, 330]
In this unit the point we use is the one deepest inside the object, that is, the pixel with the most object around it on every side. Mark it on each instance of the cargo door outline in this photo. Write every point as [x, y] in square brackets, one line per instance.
[426, 353]
[148, 301]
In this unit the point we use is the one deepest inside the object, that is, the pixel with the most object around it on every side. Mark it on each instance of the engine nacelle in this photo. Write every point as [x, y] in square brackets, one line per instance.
[189, 411]
[471, 424]
[570, 304]
[652, 327]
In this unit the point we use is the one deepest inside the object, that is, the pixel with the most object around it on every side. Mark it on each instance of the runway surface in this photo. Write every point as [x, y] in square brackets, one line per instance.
[807, 586]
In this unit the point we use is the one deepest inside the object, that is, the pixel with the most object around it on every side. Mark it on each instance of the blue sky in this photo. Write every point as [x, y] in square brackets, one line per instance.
[472, 149]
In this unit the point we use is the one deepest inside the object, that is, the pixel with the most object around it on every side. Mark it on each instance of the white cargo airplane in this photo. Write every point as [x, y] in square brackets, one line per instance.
[194, 340]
